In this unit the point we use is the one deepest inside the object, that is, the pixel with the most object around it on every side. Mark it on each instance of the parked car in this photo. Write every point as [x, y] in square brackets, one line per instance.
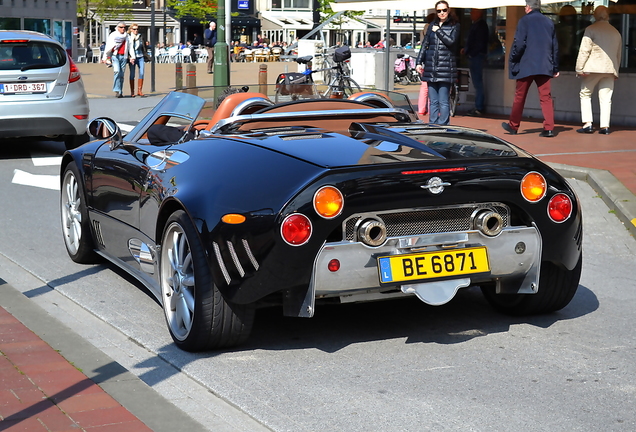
[219, 211]
[41, 89]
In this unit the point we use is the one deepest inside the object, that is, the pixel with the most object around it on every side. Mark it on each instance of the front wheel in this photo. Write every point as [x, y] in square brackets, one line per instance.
[557, 287]
[75, 225]
[198, 316]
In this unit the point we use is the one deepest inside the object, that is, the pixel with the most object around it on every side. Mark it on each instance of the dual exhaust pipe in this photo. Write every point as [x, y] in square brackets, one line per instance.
[372, 232]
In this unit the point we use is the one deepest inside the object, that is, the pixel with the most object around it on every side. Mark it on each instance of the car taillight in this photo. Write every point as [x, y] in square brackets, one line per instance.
[328, 202]
[560, 207]
[296, 229]
[533, 186]
[74, 74]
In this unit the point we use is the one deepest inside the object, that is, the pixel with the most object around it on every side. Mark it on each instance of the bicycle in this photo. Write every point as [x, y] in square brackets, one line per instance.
[460, 84]
[340, 84]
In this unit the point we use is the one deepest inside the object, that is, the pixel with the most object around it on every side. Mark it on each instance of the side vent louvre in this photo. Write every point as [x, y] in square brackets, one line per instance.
[219, 259]
[235, 261]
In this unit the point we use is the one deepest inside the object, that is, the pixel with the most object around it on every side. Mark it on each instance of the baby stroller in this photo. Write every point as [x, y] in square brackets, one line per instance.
[404, 70]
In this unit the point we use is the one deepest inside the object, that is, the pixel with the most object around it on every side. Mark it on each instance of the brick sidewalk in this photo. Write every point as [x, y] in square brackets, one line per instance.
[41, 391]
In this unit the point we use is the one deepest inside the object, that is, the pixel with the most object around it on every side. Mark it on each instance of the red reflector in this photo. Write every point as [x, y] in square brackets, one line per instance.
[560, 207]
[334, 265]
[15, 41]
[431, 171]
[81, 116]
[296, 229]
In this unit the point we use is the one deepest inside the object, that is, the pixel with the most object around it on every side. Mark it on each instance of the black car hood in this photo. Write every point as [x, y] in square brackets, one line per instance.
[367, 144]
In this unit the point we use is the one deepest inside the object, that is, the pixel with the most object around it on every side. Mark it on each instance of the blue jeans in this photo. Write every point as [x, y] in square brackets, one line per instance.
[139, 61]
[438, 94]
[119, 68]
[476, 65]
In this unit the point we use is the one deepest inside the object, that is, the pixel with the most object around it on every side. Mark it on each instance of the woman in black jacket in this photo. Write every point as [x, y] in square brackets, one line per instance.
[437, 62]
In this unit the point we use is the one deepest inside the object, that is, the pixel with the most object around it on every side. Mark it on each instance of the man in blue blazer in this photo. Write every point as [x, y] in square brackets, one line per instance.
[534, 57]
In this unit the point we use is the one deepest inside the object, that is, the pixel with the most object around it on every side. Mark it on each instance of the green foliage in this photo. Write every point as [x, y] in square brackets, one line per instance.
[201, 9]
[106, 9]
[326, 12]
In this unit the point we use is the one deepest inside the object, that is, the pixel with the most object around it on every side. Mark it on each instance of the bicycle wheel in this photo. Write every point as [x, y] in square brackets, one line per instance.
[454, 99]
[350, 87]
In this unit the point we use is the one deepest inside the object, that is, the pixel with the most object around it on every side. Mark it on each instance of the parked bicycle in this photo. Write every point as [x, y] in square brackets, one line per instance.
[337, 78]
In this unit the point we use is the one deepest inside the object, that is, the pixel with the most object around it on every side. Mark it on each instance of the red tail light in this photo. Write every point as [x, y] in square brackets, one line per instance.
[74, 75]
[560, 207]
[296, 229]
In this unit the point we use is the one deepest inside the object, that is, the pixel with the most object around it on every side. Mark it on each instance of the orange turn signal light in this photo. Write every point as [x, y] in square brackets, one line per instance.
[533, 186]
[328, 202]
[233, 218]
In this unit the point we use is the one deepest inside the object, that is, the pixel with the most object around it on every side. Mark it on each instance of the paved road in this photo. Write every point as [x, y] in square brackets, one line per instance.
[398, 365]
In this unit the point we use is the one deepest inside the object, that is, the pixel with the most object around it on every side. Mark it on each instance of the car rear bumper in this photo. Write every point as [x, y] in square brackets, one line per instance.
[514, 257]
[38, 118]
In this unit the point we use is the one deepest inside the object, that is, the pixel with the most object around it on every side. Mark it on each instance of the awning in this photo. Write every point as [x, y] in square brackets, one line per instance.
[274, 20]
[420, 5]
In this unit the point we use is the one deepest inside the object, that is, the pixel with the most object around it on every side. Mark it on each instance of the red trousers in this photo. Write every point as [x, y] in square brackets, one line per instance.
[545, 97]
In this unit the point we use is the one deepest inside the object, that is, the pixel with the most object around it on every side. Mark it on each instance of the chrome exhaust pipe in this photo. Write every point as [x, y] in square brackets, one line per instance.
[489, 222]
[372, 232]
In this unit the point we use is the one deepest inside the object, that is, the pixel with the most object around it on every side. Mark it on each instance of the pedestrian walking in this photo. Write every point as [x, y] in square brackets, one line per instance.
[534, 57]
[476, 49]
[597, 64]
[210, 40]
[117, 53]
[139, 57]
[437, 63]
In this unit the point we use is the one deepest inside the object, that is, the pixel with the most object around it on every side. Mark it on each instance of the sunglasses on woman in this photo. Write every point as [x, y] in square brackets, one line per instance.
[442, 11]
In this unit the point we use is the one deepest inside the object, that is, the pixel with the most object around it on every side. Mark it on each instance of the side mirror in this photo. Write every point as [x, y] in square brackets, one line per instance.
[105, 128]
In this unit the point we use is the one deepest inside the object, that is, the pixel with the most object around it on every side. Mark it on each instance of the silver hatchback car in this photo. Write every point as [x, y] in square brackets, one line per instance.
[41, 89]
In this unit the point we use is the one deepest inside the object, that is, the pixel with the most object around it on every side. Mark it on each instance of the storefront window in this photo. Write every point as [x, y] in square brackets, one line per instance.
[38, 25]
[10, 23]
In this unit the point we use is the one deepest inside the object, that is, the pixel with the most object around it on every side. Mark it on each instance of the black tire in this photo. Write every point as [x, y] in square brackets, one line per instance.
[197, 315]
[76, 229]
[74, 141]
[453, 99]
[405, 80]
[557, 287]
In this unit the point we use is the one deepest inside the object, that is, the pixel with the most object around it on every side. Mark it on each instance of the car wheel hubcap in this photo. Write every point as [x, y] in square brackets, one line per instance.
[71, 214]
[177, 282]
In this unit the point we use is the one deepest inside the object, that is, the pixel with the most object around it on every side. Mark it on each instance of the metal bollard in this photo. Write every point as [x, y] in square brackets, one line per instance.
[191, 79]
[262, 78]
[178, 83]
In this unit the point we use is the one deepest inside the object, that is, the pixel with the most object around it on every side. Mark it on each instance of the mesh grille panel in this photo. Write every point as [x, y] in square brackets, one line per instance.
[427, 221]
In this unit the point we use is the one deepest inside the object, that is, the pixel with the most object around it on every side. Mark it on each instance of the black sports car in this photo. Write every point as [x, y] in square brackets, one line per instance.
[220, 210]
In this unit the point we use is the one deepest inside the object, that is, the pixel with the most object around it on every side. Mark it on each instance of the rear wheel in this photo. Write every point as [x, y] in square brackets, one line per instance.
[198, 316]
[75, 225]
[350, 87]
[557, 287]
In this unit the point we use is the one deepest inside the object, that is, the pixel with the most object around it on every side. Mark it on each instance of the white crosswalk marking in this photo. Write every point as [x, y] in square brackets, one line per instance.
[43, 159]
[36, 180]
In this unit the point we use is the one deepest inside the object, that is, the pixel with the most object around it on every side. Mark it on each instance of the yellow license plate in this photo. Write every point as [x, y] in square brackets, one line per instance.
[433, 265]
